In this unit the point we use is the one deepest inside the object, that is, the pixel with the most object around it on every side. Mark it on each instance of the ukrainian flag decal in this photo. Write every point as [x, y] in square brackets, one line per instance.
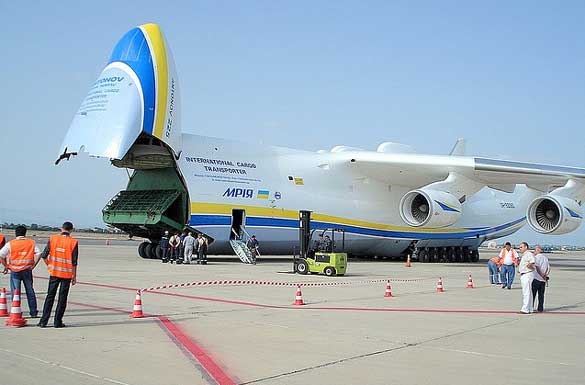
[263, 194]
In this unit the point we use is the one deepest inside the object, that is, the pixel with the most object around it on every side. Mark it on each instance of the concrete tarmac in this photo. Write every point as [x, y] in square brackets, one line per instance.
[347, 333]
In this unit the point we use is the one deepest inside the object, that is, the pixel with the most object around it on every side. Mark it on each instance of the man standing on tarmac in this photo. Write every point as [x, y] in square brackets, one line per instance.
[60, 255]
[189, 243]
[509, 259]
[526, 270]
[493, 267]
[202, 249]
[21, 256]
[542, 270]
[174, 243]
[164, 246]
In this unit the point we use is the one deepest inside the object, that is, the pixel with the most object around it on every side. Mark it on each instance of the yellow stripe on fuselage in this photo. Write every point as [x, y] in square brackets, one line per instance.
[226, 209]
[159, 53]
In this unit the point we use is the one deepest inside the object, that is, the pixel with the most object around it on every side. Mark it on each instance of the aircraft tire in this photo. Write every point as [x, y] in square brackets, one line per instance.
[302, 267]
[474, 256]
[142, 249]
[159, 252]
[150, 251]
[329, 271]
[433, 255]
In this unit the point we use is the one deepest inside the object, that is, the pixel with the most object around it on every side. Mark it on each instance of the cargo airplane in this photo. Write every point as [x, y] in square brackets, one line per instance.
[386, 202]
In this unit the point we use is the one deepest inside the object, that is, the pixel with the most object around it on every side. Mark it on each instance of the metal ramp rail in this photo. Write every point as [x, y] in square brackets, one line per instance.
[242, 251]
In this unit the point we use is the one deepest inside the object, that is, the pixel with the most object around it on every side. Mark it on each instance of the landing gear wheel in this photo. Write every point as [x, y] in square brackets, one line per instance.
[424, 256]
[159, 252]
[329, 271]
[474, 256]
[142, 249]
[302, 267]
[150, 251]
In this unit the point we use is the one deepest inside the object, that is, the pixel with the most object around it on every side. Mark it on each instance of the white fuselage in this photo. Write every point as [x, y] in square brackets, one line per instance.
[271, 184]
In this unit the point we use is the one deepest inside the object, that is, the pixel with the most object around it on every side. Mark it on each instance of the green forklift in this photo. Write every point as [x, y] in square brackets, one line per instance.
[314, 261]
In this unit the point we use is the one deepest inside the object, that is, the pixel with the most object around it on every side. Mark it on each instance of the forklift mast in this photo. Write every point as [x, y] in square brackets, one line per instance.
[304, 232]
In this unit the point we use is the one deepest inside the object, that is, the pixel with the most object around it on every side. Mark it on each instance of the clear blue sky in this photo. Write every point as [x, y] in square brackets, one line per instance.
[507, 76]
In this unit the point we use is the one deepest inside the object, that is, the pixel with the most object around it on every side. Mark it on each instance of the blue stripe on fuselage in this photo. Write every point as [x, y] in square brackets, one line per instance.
[202, 220]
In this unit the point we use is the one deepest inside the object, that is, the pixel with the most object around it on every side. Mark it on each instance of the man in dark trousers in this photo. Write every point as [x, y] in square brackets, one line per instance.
[60, 255]
[165, 248]
[253, 246]
[202, 249]
[21, 256]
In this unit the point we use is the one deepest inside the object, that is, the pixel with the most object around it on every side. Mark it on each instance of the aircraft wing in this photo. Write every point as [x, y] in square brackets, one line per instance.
[416, 171]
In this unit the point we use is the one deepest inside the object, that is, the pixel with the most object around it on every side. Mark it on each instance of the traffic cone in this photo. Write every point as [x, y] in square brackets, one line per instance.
[107, 242]
[470, 282]
[16, 319]
[388, 292]
[408, 260]
[3, 307]
[137, 311]
[440, 285]
[299, 296]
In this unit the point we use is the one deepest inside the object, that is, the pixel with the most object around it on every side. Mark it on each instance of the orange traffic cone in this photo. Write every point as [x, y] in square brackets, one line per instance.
[137, 311]
[470, 282]
[299, 296]
[408, 260]
[16, 319]
[440, 285]
[3, 307]
[388, 292]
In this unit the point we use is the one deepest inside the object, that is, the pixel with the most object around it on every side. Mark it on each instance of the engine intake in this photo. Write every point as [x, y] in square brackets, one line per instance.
[430, 208]
[554, 215]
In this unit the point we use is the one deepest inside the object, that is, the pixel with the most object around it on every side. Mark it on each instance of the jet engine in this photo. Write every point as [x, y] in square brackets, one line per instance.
[551, 214]
[429, 208]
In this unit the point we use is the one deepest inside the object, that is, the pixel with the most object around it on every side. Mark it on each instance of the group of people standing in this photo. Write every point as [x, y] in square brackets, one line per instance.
[21, 255]
[183, 248]
[534, 270]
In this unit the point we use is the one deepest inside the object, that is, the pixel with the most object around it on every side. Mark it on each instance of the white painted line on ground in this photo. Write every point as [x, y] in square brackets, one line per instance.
[498, 356]
[57, 365]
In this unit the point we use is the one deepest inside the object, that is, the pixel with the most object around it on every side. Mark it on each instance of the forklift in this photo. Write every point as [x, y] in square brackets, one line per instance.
[314, 261]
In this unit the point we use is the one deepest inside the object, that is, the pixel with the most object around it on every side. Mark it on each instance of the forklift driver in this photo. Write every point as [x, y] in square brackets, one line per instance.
[317, 246]
[327, 245]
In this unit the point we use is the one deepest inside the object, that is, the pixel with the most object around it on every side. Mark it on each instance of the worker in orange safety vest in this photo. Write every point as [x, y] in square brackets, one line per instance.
[20, 256]
[60, 255]
[494, 267]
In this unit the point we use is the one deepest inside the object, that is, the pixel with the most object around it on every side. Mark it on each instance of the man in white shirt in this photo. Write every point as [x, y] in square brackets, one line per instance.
[526, 270]
[509, 260]
[20, 256]
[542, 269]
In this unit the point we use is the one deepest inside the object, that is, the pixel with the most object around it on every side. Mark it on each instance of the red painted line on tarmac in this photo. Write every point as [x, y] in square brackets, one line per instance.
[113, 309]
[211, 299]
[214, 370]
[372, 309]
[252, 304]
[96, 284]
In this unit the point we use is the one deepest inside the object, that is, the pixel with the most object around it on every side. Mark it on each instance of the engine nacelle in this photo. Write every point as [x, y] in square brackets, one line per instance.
[551, 214]
[429, 208]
